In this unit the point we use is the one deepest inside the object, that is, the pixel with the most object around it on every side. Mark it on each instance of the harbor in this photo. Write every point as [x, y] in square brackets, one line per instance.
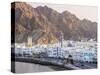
[63, 55]
[48, 64]
[22, 67]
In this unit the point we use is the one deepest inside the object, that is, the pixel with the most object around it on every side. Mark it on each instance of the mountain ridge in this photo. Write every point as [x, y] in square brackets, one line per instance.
[45, 24]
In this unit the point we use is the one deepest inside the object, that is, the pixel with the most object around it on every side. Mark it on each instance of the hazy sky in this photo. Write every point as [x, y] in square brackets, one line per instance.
[88, 12]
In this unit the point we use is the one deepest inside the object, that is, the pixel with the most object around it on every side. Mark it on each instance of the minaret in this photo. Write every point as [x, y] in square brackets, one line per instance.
[62, 39]
[29, 41]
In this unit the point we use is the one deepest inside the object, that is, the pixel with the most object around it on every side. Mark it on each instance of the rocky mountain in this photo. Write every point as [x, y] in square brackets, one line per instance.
[46, 25]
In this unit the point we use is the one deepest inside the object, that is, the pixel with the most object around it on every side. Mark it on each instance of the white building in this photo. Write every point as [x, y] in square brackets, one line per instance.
[80, 51]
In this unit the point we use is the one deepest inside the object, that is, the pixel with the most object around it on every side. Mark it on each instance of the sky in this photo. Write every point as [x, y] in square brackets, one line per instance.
[87, 12]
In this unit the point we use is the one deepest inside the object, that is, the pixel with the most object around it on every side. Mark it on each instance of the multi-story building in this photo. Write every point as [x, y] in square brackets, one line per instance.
[80, 51]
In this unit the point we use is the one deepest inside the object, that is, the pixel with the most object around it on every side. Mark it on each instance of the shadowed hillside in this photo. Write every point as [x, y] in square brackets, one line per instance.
[45, 24]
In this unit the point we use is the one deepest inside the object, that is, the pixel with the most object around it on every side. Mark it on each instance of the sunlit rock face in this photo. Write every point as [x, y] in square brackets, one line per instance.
[43, 24]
